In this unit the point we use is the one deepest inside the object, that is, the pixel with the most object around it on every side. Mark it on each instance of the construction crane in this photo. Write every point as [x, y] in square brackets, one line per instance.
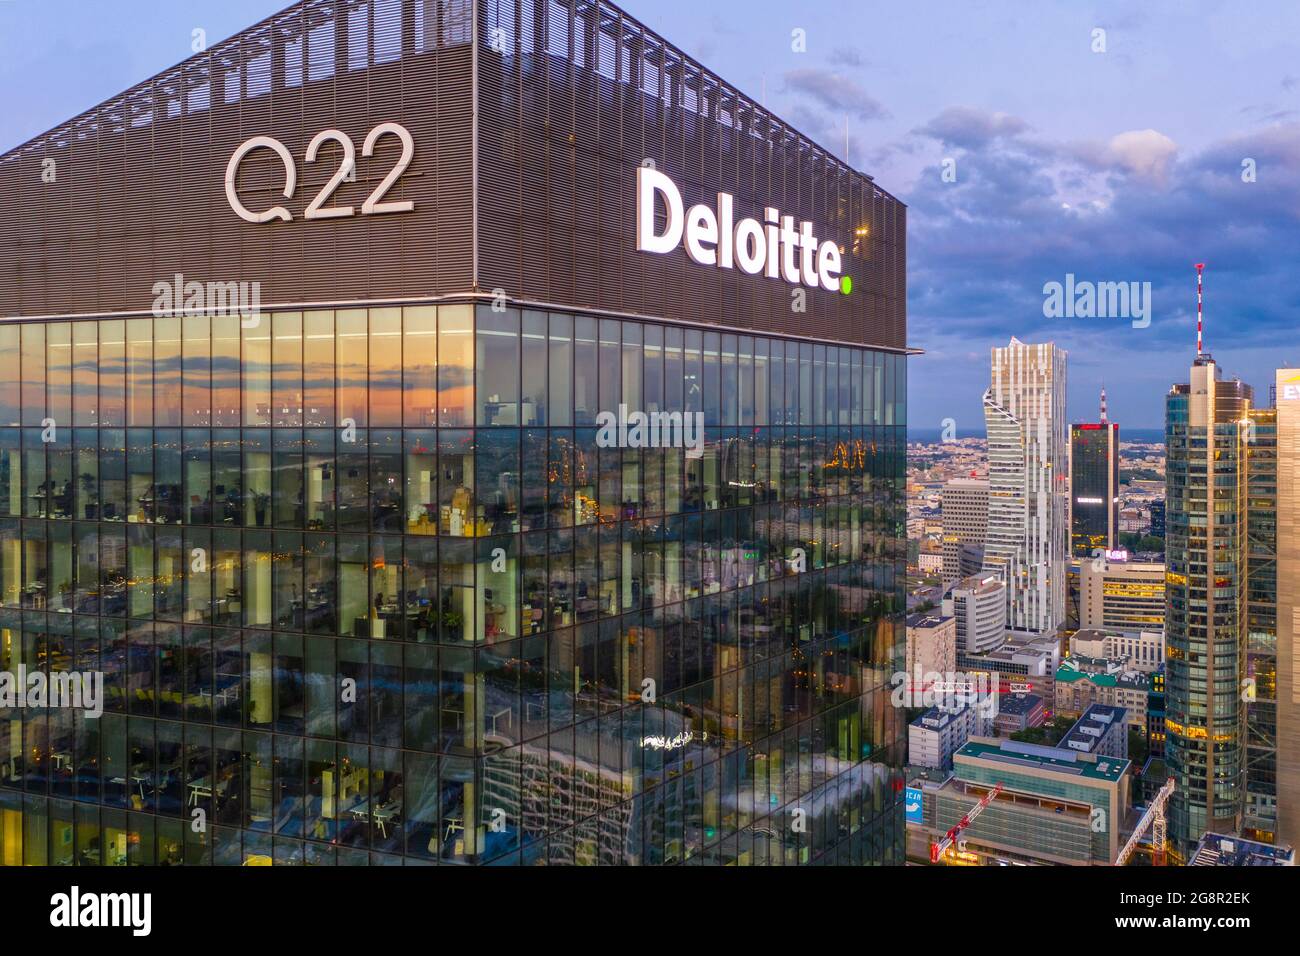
[938, 849]
[1154, 820]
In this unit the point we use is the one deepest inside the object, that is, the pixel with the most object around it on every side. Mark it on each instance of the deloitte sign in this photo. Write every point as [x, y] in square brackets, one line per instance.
[773, 247]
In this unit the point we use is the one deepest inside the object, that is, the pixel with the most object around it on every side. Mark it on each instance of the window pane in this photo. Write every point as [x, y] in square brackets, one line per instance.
[286, 368]
[420, 366]
[166, 396]
[257, 374]
[533, 362]
[225, 370]
[497, 366]
[586, 398]
[139, 368]
[58, 372]
[385, 367]
[318, 369]
[455, 365]
[559, 409]
[10, 390]
[421, 481]
[386, 510]
[610, 364]
[196, 364]
[352, 366]
[33, 373]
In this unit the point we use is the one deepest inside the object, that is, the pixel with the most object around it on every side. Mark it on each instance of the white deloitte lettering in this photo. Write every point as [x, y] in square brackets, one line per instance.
[655, 430]
[773, 247]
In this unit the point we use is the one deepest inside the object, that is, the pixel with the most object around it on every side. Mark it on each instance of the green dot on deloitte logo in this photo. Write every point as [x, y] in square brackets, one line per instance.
[846, 284]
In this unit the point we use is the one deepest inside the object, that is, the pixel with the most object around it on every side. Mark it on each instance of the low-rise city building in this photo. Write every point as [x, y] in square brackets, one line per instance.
[1216, 849]
[1139, 650]
[939, 733]
[1121, 595]
[1019, 665]
[965, 504]
[979, 603]
[1084, 681]
[1057, 806]
[931, 644]
[1102, 730]
[1017, 712]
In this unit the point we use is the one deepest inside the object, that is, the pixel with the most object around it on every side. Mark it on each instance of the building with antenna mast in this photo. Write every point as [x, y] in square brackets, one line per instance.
[1207, 435]
[1094, 485]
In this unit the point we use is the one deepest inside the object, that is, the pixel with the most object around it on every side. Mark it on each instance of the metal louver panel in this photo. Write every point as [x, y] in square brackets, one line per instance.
[139, 191]
[573, 96]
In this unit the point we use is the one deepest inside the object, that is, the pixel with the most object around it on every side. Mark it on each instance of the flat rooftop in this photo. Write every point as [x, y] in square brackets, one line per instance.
[1217, 849]
[928, 620]
[1096, 721]
[1018, 703]
[1034, 757]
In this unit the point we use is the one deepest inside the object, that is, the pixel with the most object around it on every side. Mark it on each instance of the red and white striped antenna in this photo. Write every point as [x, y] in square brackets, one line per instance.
[1103, 404]
[1200, 327]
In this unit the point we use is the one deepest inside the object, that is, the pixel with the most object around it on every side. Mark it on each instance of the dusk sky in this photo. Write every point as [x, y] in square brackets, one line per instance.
[1117, 166]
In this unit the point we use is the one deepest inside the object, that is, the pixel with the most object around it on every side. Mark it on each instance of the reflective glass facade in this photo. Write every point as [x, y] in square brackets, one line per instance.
[1262, 623]
[1206, 434]
[1094, 488]
[364, 589]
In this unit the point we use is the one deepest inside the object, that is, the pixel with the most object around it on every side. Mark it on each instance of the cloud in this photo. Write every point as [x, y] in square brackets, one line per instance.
[1129, 208]
[1145, 153]
[970, 128]
[835, 92]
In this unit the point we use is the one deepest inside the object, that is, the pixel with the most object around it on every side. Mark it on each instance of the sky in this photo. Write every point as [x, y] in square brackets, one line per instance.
[1027, 145]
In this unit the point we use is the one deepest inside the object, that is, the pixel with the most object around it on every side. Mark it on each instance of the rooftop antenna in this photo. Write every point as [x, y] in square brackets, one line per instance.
[1103, 404]
[1200, 342]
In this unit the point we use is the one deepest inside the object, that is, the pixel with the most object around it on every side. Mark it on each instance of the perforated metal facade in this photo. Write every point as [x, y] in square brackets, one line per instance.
[535, 199]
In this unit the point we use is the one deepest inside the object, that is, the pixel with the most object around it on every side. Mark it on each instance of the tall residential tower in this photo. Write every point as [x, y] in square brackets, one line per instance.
[1027, 539]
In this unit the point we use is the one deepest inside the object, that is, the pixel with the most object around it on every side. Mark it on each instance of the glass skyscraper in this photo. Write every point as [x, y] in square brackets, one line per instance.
[1261, 625]
[1094, 488]
[364, 582]
[1206, 434]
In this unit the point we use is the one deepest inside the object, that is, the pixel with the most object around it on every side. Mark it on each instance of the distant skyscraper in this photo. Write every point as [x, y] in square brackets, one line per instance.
[1288, 606]
[1157, 519]
[1206, 431]
[1126, 596]
[1094, 485]
[1028, 537]
[965, 522]
[979, 604]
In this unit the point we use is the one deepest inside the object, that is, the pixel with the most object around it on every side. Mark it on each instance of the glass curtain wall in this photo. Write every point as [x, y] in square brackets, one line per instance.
[366, 585]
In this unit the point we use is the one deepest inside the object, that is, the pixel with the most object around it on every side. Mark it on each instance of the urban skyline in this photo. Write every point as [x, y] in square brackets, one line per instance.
[1075, 174]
